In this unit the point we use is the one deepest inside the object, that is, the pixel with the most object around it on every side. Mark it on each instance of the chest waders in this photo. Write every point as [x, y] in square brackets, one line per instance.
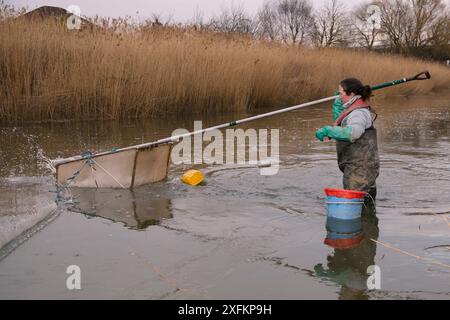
[360, 163]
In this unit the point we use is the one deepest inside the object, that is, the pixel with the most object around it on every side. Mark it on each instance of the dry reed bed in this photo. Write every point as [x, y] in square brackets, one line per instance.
[48, 73]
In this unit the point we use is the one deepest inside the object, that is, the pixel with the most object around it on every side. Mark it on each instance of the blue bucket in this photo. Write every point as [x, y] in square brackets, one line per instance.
[339, 228]
[344, 204]
[344, 234]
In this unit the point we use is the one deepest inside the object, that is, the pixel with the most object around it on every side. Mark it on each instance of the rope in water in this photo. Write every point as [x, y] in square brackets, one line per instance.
[444, 217]
[429, 260]
[169, 280]
[446, 220]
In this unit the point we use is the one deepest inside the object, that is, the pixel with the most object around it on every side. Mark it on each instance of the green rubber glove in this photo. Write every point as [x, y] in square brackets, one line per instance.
[340, 133]
[336, 133]
[322, 133]
[338, 107]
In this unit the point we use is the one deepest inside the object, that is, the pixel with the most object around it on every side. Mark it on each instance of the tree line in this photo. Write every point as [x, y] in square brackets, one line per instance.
[409, 27]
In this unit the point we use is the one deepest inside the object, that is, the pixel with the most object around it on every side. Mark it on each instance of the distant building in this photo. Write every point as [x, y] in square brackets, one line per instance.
[46, 12]
[59, 14]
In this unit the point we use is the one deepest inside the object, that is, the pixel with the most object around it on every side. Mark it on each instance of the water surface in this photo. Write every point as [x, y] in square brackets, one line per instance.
[241, 235]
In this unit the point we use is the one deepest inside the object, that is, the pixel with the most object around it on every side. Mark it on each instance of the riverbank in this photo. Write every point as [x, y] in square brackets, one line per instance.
[49, 73]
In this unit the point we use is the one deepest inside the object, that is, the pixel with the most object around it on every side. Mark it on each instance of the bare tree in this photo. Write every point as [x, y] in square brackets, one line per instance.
[232, 20]
[413, 25]
[439, 32]
[366, 25]
[156, 20]
[10, 11]
[428, 16]
[394, 21]
[331, 25]
[295, 18]
[197, 20]
[268, 26]
[438, 39]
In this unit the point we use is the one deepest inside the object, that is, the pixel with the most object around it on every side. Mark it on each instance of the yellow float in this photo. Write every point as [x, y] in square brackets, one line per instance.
[192, 177]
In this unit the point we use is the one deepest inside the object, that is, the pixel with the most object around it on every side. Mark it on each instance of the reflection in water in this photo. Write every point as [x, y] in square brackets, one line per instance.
[348, 266]
[119, 205]
[344, 234]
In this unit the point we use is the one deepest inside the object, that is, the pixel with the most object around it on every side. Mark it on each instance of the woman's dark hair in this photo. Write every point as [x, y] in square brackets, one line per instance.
[353, 85]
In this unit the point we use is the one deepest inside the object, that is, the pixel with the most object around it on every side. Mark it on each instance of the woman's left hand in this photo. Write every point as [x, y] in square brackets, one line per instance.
[322, 132]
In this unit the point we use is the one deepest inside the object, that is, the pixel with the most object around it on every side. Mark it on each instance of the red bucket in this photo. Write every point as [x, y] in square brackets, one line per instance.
[346, 194]
[344, 243]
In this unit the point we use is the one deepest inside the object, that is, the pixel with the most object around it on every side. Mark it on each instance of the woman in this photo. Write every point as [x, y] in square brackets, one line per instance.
[356, 137]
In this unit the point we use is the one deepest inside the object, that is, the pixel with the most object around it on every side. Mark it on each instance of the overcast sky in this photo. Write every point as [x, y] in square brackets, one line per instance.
[179, 10]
